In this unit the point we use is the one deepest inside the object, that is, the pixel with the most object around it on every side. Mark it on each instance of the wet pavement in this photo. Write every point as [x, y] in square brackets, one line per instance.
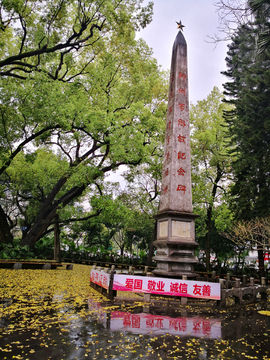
[155, 332]
[95, 329]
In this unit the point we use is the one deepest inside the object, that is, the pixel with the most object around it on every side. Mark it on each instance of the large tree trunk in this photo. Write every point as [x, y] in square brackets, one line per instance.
[57, 250]
[207, 238]
[48, 211]
[50, 206]
[261, 261]
[5, 234]
[122, 247]
[151, 246]
[209, 218]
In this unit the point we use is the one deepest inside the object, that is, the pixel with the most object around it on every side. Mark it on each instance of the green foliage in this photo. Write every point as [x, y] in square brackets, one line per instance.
[58, 139]
[210, 161]
[125, 222]
[44, 248]
[55, 36]
[210, 156]
[210, 152]
[261, 9]
[249, 124]
[15, 252]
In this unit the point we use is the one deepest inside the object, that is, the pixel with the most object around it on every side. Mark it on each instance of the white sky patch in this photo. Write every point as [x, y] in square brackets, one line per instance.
[205, 61]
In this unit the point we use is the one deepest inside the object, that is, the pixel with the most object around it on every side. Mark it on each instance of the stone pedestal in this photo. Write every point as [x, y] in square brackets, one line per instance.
[175, 244]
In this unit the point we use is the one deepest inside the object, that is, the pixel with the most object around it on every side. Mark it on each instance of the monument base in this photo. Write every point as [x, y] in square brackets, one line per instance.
[175, 244]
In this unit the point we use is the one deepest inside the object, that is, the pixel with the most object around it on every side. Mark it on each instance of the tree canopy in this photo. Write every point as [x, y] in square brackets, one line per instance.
[62, 37]
[84, 91]
[248, 122]
[248, 90]
[211, 163]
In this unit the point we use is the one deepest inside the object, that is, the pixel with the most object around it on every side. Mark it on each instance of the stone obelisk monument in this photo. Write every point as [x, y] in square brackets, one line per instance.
[175, 242]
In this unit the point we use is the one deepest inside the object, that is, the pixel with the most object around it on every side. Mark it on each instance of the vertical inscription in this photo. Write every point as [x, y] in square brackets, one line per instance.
[176, 182]
[181, 138]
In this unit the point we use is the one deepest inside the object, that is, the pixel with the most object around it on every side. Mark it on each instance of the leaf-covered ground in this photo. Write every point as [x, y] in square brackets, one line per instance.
[54, 314]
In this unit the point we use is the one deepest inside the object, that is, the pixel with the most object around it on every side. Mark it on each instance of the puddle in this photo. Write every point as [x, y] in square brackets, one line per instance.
[148, 333]
[56, 315]
[146, 323]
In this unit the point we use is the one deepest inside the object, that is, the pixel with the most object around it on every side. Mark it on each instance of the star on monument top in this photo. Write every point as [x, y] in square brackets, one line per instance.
[180, 25]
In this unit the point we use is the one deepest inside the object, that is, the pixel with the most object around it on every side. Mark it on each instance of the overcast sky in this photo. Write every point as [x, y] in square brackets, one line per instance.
[205, 62]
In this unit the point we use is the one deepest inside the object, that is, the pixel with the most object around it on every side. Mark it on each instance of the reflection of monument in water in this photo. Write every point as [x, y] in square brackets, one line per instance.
[175, 243]
[146, 323]
[159, 325]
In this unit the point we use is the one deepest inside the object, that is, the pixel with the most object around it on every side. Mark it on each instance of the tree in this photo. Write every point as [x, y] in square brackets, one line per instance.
[248, 124]
[127, 216]
[231, 15]
[249, 121]
[110, 114]
[221, 246]
[250, 234]
[210, 165]
[261, 9]
[235, 13]
[28, 181]
[54, 36]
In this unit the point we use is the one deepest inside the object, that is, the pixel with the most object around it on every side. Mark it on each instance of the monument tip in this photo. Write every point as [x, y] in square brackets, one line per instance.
[179, 40]
[180, 25]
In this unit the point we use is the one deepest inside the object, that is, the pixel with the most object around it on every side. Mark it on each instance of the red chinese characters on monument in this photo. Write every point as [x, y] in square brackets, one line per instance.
[168, 140]
[165, 190]
[181, 155]
[182, 76]
[181, 139]
[182, 106]
[182, 91]
[181, 123]
[181, 171]
[181, 188]
[166, 172]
